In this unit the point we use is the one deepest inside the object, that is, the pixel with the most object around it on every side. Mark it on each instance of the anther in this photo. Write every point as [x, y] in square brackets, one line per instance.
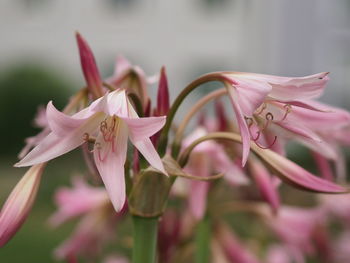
[269, 116]
[288, 108]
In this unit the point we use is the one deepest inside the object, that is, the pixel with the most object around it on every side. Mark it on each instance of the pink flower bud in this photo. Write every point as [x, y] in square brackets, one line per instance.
[19, 203]
[163, 94]
[89, 67]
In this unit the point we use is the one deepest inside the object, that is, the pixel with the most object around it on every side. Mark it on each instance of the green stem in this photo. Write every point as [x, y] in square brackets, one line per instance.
[145, 239]
[215, 76]
[202, 253]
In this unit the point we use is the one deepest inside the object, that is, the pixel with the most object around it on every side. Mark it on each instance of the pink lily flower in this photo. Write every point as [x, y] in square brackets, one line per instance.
[283, 254]
[93, 232]
[19, 203]
[296, 227]
[96, 226]
[260, 100]
[207, 158]
[69, 201]
[112, 120]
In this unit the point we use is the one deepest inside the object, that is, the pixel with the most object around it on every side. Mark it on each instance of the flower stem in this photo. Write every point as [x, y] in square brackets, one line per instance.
[163, 140]
[202, 253]
[145, 239]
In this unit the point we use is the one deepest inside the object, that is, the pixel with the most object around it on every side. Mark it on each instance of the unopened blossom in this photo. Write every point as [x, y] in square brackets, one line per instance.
[261, 100]
[19, 203]
[89, 67]
[108, 122]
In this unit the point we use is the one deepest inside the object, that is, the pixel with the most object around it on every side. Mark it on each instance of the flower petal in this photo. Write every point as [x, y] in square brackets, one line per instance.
[293, 174]
[141, 128]
[53, 146]
[243, 128]
[110, 158]
[265, 183]
[19, 203]
[148, 151]
[308, 87]
[60, 123]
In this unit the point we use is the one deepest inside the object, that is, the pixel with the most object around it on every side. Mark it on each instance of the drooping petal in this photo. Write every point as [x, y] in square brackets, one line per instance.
[110, 156]
[243, 128]
[53, 146]
[19, 203]
[265, 183]
[141, 128]
[148, 151]
[89, 67]
[293, 174]
[198, 165]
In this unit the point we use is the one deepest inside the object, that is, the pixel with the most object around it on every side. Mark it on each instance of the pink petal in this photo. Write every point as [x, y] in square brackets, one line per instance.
[122, 65]
[323, 166]
[19, 203]
[289, 89]
[243, 128]
[110, 158]
[69, 201]
[142, 128]
[53, 146]
[292, 173]
[265, 183]
[60, 123]
[148, 151]
[89, 67]
[198, 165]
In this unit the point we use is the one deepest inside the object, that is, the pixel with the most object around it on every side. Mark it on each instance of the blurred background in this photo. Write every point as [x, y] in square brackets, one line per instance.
[39, 62]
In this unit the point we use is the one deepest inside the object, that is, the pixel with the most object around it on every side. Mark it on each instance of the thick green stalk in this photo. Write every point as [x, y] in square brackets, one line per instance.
[145, 239]
[203, 231]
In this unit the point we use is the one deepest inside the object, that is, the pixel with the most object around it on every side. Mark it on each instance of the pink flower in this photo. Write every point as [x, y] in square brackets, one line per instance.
[93, 232]
[112, 120]
[296, 227]
[19, 203]
[208, 158]
[78, 200]
[260, 100]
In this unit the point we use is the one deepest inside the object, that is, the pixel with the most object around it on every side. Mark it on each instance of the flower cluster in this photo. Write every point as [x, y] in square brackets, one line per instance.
[189, 181]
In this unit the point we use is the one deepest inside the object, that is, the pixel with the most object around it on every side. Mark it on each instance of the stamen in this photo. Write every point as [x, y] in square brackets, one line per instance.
[249, 121]
[268, 147]
[269, 118]
[288, 108]
[263, 107]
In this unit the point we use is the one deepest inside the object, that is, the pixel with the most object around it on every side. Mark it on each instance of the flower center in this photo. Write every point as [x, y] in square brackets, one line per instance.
[263, 117]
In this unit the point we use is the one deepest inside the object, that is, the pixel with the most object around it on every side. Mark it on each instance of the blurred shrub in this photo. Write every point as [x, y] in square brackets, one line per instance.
[22, 89]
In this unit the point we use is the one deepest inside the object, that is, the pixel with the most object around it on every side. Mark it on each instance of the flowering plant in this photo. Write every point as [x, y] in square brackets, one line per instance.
[207, 173]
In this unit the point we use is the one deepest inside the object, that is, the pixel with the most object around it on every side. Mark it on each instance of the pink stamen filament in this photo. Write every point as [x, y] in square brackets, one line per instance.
[267, 147]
